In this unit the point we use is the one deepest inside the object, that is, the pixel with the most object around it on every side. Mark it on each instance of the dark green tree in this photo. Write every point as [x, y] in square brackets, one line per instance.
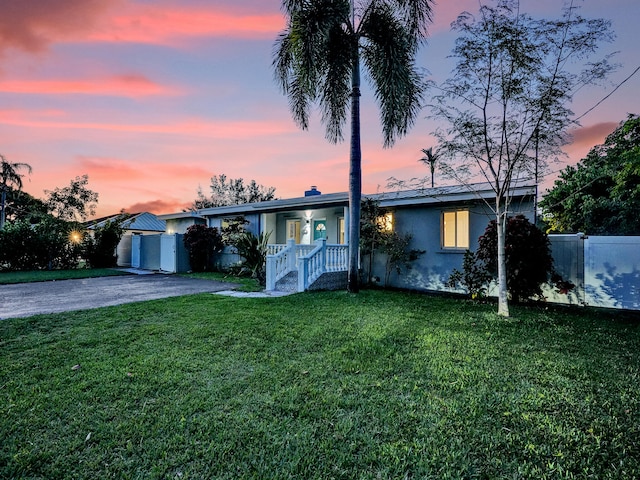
[601, 194]
[529, 261]
[20, 205]
[232, 191]
[318, 59]
[506, 106]
[73, 203]
[202, 243]
[101, 247]
[9, 178]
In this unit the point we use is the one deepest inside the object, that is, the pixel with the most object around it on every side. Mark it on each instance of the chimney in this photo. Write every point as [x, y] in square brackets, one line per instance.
[312, 192]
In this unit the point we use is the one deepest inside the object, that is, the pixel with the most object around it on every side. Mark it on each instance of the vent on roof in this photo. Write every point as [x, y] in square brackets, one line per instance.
[314, 191]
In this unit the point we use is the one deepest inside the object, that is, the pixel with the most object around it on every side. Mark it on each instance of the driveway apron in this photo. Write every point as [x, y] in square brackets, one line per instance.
[26, 299]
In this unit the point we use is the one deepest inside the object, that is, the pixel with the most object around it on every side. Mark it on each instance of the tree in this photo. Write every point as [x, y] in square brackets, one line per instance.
[317, 59]
[232, 191]
[9, 177]
[20, 205]
[100, 249]
[601, 194]
[528, 256]
[506, 105]
[73, 203]
[373, 231]
[202, 242]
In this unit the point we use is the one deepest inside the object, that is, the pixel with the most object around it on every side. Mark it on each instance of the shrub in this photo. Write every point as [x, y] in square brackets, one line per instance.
[45, 245]
[202, 243]
[254, 251]
[100, 250]
[474, 276]
[528, 257]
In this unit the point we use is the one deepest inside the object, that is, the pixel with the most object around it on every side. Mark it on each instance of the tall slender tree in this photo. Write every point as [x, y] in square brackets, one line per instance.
[506, 109]
[9, 177]
[318, 58]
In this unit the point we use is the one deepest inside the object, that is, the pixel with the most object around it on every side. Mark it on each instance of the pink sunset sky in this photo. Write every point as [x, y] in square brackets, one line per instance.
[151, 98]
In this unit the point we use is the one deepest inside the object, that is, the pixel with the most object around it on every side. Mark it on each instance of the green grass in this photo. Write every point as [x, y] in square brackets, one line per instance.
[48, 275]
[325, 385]
[246, 284]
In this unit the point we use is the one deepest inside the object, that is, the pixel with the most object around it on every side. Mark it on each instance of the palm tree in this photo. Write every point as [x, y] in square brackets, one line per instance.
[317, 59]
[9, 176]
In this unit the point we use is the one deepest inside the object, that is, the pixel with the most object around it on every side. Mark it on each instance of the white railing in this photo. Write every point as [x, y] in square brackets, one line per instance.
[310, 261]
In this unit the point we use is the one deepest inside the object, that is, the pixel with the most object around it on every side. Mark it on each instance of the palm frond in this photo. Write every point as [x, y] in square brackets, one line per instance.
[388, 54]
[337, 82]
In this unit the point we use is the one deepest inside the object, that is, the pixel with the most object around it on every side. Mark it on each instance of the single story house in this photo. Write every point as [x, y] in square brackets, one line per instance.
[442, 221]
[143, 223]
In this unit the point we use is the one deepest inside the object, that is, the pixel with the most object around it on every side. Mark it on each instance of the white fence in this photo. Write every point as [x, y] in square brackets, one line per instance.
[605, 270]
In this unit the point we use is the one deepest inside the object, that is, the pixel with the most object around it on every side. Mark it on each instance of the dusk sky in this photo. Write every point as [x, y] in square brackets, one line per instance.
[151, 98]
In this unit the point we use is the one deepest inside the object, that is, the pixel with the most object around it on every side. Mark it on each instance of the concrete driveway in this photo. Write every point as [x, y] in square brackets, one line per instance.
[26, 299]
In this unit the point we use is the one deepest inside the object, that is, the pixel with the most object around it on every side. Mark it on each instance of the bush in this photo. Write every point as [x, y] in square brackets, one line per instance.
[100, 250]
[48, 244]
[528, 257]
[202, 243]
[254, 251]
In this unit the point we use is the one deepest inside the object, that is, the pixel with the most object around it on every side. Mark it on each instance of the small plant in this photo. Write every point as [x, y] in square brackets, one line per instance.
[202, 243]
[399, 255]
[254, 251]
[474, 277]
[233, 229]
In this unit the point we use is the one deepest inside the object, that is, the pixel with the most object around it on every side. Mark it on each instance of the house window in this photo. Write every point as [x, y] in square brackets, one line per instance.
[455, 229]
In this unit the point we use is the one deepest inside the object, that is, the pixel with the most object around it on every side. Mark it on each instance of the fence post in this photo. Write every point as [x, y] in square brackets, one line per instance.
[303, 273]
[271, 273]
[291, 254]
[323, 255]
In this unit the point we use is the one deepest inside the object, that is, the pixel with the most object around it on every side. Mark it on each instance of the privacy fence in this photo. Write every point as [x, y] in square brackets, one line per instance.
[605, 270]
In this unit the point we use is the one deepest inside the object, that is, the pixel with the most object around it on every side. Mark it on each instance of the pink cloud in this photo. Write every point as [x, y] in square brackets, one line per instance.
[592, 135]
[131, 85]
[33, 25]
[157, 206]
[220, 129]
[154, 25]
[113, 169]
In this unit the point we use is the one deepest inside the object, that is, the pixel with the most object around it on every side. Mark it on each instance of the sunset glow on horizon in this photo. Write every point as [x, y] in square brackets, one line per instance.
[151, 99]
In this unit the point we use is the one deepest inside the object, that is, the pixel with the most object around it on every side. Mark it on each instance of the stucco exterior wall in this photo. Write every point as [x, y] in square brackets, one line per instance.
[433, 268]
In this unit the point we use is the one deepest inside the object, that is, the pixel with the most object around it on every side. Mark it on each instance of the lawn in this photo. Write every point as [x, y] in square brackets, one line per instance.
[324, 385]
[48, 275]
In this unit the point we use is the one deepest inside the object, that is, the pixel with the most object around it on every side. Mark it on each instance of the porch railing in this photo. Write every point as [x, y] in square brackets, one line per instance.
[310, 261]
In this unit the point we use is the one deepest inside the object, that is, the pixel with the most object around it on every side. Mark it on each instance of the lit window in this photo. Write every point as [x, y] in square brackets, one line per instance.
[455, 229]
[385, 222]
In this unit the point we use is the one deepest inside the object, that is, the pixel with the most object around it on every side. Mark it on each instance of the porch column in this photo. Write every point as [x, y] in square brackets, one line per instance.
[346, 225]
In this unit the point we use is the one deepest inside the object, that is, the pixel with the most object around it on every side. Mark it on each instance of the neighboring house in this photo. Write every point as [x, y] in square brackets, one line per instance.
[443, 221]
[143, 223]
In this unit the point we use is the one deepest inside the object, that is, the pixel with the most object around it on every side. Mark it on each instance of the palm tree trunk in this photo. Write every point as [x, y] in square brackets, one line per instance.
[355, 177]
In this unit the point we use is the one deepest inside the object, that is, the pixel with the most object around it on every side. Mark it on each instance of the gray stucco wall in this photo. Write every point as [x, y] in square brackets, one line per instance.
[433, 268]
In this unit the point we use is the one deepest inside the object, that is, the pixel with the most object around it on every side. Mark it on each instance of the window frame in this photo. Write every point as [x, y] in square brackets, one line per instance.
[458, 245]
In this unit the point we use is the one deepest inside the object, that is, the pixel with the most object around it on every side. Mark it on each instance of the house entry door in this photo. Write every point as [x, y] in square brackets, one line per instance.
[319, 229]
[293, 230]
